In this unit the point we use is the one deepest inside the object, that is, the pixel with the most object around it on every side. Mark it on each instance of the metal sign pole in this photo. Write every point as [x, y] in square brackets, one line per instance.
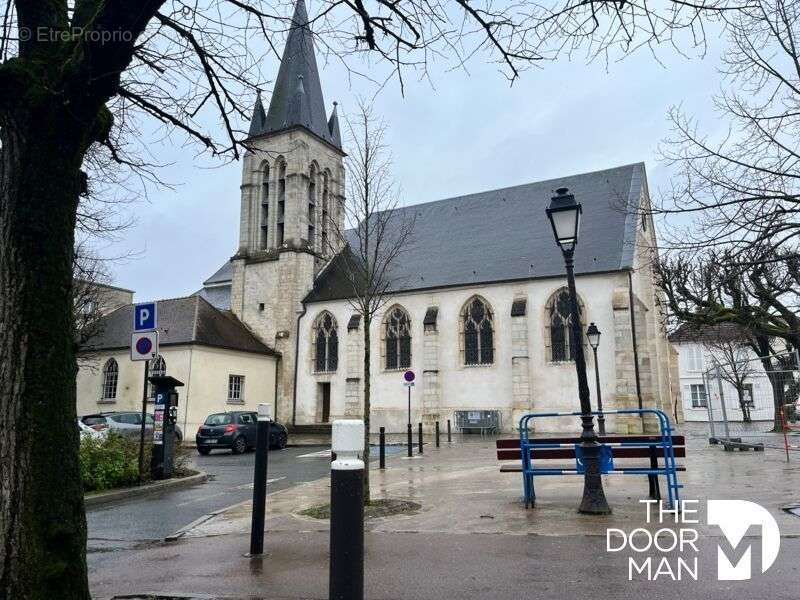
[144, 421]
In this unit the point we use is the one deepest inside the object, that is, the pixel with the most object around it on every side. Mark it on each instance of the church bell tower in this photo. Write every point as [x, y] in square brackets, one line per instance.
[292, 204]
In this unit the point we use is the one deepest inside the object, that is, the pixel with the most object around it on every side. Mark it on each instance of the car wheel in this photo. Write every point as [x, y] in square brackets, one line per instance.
[283, 439]
[203, 450]
[239, 445]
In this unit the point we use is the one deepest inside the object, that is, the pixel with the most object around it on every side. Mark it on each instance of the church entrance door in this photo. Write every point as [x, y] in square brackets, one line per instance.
[324, 395]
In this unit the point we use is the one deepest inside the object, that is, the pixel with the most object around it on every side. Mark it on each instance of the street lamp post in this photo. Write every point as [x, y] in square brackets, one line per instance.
[565, 218]
[593, 334]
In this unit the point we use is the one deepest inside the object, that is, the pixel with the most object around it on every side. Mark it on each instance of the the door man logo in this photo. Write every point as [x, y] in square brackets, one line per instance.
[672, 551]
[734, 556]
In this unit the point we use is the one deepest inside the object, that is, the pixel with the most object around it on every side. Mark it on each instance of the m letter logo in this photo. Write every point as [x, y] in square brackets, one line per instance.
[735, 518]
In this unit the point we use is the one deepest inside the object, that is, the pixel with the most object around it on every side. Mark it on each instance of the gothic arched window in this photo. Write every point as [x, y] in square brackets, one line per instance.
[325, 198]
[265, 207]
[312, 205]
[477, 321]
[281, 202]
[559, 336]
[326, 344]
[110, 378]
[397, 338]
[158, 367]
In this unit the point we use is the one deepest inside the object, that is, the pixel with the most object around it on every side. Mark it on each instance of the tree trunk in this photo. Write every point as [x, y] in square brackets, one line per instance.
[43, 546]
[776, 381]
[367, 323]
[742, 403]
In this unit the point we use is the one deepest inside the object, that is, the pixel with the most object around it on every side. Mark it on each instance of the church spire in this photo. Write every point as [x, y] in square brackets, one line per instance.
[259, 116]
[297, 99]
[333, 127]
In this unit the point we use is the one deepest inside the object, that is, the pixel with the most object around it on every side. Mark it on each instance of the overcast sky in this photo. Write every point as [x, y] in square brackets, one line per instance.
[471, 132]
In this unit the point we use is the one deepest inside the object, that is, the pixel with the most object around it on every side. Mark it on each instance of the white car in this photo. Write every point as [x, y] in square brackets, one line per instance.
[88, 432]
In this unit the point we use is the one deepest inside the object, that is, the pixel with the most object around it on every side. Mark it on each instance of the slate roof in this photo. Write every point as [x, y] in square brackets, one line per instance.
[297, 99]
[190, 320]
[722, 332]
[221, 276]
[504, 235]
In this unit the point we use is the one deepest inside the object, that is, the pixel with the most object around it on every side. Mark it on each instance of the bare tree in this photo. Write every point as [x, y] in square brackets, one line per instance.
[375, 238]
[742, 190]
[731, 354]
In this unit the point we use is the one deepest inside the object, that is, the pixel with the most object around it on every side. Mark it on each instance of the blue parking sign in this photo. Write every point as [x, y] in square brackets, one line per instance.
[144, 316]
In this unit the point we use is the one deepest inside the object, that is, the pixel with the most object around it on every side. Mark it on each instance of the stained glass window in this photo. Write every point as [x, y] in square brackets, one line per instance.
[562, 340]
[398, 339]
[326, 344]
[478, 324]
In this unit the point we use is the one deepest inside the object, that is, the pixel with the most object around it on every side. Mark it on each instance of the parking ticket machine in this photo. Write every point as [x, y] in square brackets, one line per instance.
[165, 416]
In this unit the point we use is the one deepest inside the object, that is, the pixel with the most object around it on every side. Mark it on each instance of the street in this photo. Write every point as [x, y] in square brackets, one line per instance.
[137, 521]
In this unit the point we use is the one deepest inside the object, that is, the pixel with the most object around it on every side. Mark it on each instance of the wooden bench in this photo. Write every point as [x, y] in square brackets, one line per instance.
[509, 450]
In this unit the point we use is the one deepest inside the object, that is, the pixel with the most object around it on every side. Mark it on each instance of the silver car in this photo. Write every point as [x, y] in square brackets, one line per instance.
[127, 423]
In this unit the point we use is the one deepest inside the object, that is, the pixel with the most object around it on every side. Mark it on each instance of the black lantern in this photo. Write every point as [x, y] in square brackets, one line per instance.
[593, 334]
[565, 218]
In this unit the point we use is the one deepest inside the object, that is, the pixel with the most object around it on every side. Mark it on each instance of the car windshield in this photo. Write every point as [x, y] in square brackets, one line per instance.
[94, 421]
[219, 419]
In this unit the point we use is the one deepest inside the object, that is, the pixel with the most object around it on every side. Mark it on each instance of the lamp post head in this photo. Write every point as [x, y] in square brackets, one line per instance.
[565, 218]
[593, 333]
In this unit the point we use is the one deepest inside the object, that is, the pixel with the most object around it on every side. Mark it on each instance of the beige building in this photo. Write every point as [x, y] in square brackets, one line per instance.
[222, 364]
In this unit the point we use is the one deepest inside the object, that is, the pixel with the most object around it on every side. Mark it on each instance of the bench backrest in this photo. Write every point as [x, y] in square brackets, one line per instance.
[508, 449]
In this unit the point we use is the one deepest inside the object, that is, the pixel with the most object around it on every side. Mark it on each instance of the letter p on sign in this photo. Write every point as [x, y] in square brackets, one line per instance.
[144, 316]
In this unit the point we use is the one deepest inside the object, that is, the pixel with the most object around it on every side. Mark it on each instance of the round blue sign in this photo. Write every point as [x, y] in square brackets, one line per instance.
[144, 345]
[408, 376]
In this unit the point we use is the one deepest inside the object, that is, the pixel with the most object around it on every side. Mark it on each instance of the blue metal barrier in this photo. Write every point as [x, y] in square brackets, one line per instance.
[669, 470]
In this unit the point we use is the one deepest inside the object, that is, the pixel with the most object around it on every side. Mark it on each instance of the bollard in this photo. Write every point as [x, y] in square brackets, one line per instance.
[382, 452]
[420, 438]
[449, 437]
[260, 481]
[437, 434]
[409, 441]
[346, 578]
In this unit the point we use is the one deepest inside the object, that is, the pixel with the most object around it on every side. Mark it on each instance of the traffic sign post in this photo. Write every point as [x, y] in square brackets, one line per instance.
[408, 383]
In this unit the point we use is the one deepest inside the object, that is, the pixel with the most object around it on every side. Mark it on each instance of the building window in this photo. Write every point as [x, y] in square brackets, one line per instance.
[559, 325]
[325, 197]
[699, 397]
[478, 330]
[110, 378]
[236, 389]
[397, 338]
[158, 367]
[312, 205]
[694, 358]
[265, 208]
[326, 344]
[281, 203]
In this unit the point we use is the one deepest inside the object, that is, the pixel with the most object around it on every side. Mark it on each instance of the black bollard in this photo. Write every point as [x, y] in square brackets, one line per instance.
[420, 438]
[449, 437]
[382, 453]
[437, 434]
[260, 481]
[346, 579]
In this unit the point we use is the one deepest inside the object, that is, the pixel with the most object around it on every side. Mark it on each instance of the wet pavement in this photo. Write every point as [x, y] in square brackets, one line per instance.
[472, 537]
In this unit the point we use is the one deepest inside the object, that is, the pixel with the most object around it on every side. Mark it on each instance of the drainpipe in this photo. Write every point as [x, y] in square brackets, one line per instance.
[277, 370]
[296, 365]
[631, 308]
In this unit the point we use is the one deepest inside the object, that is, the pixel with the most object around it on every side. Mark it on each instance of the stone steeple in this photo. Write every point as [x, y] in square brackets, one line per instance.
[297, 99]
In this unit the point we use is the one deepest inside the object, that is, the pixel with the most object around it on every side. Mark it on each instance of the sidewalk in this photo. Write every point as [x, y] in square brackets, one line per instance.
[471, 537]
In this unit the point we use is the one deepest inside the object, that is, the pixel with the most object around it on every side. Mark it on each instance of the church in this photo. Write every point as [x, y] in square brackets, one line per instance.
[477, 308]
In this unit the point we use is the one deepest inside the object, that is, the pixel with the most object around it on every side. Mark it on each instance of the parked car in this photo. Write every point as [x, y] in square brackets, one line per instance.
[127, 423]
[236, 430]
[88, 432]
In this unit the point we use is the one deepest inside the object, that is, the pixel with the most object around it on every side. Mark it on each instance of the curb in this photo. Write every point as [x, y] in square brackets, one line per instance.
[145, 490]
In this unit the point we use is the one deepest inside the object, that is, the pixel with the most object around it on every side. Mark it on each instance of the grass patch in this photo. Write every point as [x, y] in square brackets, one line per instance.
[373, 510]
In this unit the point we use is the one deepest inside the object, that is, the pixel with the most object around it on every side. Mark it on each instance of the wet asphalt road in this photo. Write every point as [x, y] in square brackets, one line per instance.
[139, 521]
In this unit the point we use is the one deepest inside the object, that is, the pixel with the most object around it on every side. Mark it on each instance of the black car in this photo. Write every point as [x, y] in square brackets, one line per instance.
[236, 430]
